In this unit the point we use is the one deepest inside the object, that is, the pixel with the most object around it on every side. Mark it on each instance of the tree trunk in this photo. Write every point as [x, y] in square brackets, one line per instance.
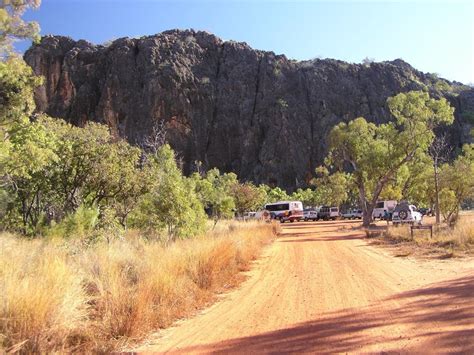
[367, 208]
[368, 219]
[436, 176]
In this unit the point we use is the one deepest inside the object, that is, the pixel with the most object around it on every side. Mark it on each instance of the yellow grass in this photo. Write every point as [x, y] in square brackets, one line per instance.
[459, 238]
[63, 296]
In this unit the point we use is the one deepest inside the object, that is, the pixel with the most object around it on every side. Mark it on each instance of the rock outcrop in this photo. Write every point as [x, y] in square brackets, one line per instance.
[223, 103]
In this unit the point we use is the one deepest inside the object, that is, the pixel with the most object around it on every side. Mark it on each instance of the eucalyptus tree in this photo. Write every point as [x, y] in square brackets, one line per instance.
[375, 153]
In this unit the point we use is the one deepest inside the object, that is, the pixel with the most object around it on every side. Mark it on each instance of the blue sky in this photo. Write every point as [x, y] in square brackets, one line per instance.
[433, 36]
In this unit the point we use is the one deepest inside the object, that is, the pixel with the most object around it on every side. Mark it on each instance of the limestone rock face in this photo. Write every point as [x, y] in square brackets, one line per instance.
[223, 103]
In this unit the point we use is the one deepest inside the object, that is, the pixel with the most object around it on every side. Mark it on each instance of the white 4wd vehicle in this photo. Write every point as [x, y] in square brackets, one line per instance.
[310, 215]
[352, 214]
[405, 213]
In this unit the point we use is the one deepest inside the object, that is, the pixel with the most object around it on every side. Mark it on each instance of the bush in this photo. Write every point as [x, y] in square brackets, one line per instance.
[79, 224]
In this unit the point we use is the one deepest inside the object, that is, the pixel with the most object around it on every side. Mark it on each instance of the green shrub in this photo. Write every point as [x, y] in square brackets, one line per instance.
[79, 224]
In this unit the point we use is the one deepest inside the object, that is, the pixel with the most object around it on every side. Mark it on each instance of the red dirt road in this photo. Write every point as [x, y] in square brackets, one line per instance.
[321, 288]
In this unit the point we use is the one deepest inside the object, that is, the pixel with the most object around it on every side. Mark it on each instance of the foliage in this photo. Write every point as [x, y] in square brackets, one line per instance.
[416, 180]
[331, 189]
[248, 197]
[376, 153]
[306, 196]
[275, 194]
[17, 82]
[171, 202]
[79, 224]
[13, 27]
[457, 184]
[55, 167]
[16, 105]
[215, 193]
[442, 85]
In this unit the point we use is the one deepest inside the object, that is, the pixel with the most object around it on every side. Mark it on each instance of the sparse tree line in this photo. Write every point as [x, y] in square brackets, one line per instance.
[58, 179]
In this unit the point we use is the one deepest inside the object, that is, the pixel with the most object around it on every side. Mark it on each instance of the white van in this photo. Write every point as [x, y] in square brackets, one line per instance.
[286, 210]
[382, 206]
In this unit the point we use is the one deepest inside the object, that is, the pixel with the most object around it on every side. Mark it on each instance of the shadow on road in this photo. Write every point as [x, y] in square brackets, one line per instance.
[438, 317]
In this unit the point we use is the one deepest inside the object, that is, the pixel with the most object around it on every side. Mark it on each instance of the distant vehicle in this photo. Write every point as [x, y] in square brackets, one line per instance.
[382, 206]
[406, 213]
[334, 213]
[249, 215]
[286, 210]
[326, 212]
[310, 215]
[352, 214]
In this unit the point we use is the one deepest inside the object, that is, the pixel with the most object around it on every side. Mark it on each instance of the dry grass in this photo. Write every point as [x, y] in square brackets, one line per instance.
[446, 241]
[62, 296]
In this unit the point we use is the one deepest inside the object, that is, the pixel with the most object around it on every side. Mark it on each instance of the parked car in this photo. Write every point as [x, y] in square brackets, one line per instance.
[327, 213]
[352, 214]
[406, 213]
[310, 215]
[249, 215]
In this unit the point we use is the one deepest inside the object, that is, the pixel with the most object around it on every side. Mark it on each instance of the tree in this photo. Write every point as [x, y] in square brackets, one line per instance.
[416, 180]
[171, 202]
[374, 154]
[55, 167]
[331, 189]
[17, 83]
[306, 196]
[13, 27]
[27, 175]
[247, 197]
[215, 193]
[17, 80]
[439, 152]
[276, 194]
[456, 183]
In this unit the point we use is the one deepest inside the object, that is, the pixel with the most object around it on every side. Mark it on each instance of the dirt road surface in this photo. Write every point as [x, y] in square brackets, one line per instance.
[321, 288]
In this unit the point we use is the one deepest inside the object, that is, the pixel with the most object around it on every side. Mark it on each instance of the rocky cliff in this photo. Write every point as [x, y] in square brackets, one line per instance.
[223, 103]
